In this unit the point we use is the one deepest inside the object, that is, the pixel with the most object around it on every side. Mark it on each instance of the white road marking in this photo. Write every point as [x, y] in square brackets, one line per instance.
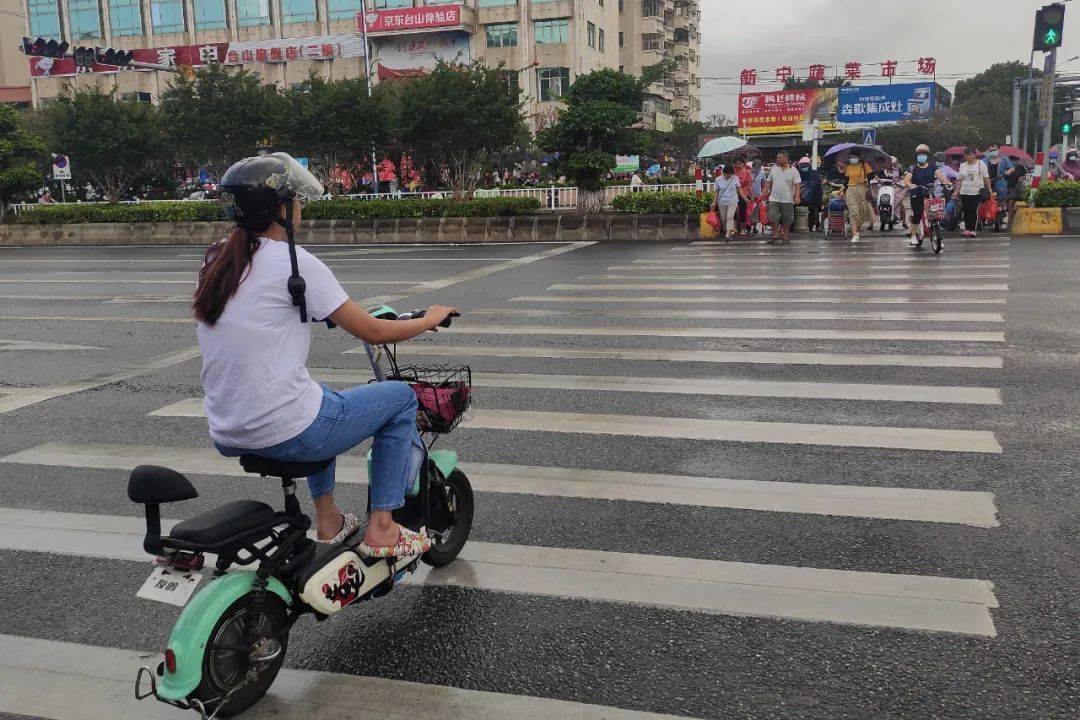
[97, 318]
[130, 281]
[66, 681]
[20, 398]
[748, 314]
[743, 300]
[28, 345]
[652, 265]
[740, 431]
[104, 299]
[703, 586]
[720, 387]
[915, 504]
[640, 276]
[759, 333]
[480, 272]
[702, 356]
[774, 287]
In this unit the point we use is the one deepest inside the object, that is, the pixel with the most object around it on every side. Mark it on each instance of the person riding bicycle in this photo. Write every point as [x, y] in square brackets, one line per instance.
[919, 178]
[260, 398]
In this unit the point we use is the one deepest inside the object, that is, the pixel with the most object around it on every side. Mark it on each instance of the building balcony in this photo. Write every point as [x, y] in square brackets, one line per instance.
[551, 10]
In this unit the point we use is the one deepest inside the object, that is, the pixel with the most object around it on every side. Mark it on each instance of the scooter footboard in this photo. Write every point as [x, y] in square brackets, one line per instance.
[192, 631]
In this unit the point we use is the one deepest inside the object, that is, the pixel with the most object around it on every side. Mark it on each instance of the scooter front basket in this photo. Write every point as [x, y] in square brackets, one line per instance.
[444, 394]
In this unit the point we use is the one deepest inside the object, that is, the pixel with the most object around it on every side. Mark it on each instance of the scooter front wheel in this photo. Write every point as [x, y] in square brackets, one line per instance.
[454, 498]
[230, 677]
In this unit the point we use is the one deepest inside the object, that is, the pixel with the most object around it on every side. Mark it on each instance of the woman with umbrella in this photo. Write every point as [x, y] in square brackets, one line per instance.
[858, 173]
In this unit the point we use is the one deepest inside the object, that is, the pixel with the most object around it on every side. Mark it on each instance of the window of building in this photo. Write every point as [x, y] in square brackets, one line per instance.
[44, 18]
[552, 32]
[495, 3]
[553, 82]
[85, 19]
[442, 2]
[342, 9]
[297, 11]
[210, 14]
[125, 17]
[502, 35]
[652, 8]
[591, 31]
[167, 16]
[622, 40]
[391, 4]
[252, 12]
[602, 41]
[512, 80]
[652, 41]
[621, 5]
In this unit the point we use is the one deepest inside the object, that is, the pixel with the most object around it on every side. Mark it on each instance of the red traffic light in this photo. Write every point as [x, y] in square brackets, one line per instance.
[41, 47]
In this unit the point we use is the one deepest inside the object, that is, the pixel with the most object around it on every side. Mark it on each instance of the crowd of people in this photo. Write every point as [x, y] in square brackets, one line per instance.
[750, 196]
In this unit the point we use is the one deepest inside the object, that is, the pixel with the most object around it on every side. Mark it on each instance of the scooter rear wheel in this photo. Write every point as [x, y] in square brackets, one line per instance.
[456, 497]
[936, 240]
[224, 668]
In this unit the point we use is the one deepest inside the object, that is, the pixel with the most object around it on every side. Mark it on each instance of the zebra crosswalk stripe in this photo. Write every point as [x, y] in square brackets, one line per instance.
[709, 587]
[914, 504]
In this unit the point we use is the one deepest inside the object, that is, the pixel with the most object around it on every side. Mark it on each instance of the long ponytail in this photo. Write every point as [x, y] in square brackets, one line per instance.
[224, 267]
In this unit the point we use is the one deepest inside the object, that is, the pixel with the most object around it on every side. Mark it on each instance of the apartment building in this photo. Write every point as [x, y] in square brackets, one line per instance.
[14, 81]
[544, 44]
[652, 31]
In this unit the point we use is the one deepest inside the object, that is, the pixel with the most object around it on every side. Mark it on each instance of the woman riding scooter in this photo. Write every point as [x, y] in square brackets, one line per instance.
[920, 176]
[260, 398]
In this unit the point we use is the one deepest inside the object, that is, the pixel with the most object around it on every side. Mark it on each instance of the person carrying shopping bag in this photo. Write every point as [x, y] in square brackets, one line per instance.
[729, 191]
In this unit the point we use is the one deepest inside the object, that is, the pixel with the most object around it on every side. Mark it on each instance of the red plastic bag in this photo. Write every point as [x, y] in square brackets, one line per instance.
[713, 219]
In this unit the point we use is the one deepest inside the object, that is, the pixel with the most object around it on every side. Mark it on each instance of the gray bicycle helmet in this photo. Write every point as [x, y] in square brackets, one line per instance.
[253, 189]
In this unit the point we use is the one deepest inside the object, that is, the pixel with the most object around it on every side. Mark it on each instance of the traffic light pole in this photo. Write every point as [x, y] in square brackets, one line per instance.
[1048, 129]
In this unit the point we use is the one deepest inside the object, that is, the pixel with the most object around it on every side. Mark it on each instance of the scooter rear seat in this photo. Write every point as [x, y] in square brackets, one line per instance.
[280, 469]
[220, 524]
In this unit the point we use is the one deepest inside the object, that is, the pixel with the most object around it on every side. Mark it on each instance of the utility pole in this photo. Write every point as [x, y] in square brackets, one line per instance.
[1027, 105]
[367, 67]
[1050, 69]
[1015, 140]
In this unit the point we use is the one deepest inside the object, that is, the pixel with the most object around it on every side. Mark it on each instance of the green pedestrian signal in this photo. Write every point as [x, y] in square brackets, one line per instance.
[1049, 27]
[1066, 128]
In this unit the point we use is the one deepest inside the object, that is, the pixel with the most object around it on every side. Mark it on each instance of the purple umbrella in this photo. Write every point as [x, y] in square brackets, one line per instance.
[870, 153]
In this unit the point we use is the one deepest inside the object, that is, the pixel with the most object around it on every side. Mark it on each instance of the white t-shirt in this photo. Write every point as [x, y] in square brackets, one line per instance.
[258, 390]
[783, 182]
[973, 177]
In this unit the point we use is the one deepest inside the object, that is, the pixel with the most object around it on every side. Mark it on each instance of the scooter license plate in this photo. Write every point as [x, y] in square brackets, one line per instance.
[173, 587]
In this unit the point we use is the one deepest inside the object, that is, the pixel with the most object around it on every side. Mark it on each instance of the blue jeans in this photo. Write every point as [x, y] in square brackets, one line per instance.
[384, 411]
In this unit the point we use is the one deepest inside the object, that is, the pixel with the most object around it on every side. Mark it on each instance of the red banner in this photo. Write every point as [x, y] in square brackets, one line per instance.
[420, 18]
[193, 55]
[786, 111]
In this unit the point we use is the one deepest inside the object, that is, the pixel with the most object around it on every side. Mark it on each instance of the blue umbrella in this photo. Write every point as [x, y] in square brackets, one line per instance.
[721, 146]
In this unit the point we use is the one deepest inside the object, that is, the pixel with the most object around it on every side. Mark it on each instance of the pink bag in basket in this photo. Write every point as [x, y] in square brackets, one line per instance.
[441, 406]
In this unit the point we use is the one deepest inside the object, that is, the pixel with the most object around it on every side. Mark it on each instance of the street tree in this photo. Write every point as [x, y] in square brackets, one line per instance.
[944, 129]
[21, 156]
[218, 116]
[601, 108]
[717, 121]
[334, 124]
[459, 117]
[114, 144]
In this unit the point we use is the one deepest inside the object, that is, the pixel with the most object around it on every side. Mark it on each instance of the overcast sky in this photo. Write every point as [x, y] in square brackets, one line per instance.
[966, 37]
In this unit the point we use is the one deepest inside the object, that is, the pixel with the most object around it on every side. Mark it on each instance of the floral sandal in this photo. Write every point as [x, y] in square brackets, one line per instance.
[409, 543]
[349, 524]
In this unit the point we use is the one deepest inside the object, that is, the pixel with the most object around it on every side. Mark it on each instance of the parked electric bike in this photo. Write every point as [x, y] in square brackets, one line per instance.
[889, 199]
[230, 640]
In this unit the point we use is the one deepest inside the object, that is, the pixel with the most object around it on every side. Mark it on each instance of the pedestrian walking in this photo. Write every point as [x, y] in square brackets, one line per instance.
[858, 174]
[783, 190]
[746, 180]
[974, 189]
[726, 204]
[812, 192]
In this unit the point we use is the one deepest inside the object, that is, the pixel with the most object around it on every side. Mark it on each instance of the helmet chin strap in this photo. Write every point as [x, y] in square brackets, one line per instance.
[297, 286]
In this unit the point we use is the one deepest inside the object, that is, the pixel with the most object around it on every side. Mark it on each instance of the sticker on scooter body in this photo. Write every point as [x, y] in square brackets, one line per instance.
[169, 586]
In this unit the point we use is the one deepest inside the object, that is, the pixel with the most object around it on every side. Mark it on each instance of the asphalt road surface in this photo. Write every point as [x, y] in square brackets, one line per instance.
[819, 480]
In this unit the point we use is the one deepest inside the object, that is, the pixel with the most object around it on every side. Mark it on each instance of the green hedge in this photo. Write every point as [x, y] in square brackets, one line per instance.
[416, 208]
[1058, 194]
[201, 211]
[656, 203]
